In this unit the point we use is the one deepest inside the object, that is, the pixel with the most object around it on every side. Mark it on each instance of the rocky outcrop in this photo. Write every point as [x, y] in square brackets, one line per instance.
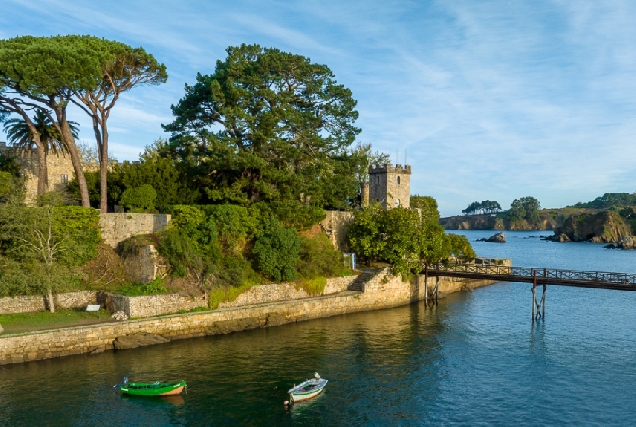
[497, 238]
[472, 222]
[602, 227]
[627, 243]
[138, 340]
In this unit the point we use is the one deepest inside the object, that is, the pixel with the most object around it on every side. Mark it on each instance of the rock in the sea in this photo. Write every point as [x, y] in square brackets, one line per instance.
[627, 242]
[610, 246]
[497, 238]
[138, 340]
[560, 237]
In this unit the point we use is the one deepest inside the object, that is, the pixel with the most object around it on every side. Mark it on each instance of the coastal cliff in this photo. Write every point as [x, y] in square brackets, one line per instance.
[547, 221]
[601, 227]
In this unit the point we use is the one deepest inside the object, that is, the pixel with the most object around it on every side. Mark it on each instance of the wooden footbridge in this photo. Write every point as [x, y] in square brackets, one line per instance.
[537, 276]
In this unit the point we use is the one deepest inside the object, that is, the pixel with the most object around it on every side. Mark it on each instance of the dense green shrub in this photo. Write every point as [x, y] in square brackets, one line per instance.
[318, 258]
[236, 271]
[139, 199]
[276, 252]
[297, 215]
[32, 278]
[68, 235]
[235, 226]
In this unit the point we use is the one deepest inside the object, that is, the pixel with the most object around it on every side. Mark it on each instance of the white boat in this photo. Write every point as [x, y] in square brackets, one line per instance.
[307, 389]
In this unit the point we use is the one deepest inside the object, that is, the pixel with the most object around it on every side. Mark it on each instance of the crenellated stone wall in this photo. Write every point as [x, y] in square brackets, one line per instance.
[117, 227]
[26, 304]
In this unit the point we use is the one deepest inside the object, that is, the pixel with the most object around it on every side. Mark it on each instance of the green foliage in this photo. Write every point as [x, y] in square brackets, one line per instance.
[24, 322]
[185, 253]
[6, 184]
[525, 208]
[276, 252]
[485, 207]
[67, 235]
[8, 163]
[35, 278]
[114, 184]
[266, 126]
[297, 215]
[402, 238]
[314, 286]
[364, 235]
[154, 287]
[319, 258]
[608, 200]
[234, 224]
[139, 199]
[427, 205]
[235, 271]
[460, 246]
[166, 175]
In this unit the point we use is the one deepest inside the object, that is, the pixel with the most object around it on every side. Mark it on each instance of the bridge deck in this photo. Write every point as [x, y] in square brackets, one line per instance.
[544, 276]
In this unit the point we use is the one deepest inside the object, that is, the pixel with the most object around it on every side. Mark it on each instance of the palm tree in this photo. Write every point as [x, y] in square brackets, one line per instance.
[20, 134]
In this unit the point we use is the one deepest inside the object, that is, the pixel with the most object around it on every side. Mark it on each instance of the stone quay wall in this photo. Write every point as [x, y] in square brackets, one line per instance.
[382, 292]
[117, 227]
[25, 304]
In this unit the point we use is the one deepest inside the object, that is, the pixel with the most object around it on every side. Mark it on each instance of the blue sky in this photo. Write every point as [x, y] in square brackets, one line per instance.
[489, 100]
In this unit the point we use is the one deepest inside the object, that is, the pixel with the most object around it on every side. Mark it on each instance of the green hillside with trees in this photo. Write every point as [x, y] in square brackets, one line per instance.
[258, 149]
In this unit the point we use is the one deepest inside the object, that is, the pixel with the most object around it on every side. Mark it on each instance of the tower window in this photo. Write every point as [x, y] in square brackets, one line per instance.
[64, 178]
[397, 203]
[398, 180]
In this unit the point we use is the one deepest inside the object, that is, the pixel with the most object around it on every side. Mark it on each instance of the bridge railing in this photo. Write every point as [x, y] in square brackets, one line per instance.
[549, 273]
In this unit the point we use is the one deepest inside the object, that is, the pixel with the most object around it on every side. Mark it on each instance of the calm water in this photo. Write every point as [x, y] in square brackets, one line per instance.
[474, 360]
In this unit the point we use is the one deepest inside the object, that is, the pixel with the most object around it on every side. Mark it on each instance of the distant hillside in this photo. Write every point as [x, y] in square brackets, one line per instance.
[607, 218]
[609, 200]
[548, 219]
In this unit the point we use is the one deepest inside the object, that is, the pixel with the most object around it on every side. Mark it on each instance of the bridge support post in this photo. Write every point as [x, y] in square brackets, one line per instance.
[540, 305]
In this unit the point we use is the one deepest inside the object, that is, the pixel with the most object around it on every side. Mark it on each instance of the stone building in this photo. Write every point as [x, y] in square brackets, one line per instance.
[389, 185]
[59, 167]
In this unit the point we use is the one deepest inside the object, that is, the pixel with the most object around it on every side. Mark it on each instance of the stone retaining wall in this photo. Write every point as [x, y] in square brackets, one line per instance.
[25, 304]
[381, 293]
[152, 305]
[263, 294]
[117, 227]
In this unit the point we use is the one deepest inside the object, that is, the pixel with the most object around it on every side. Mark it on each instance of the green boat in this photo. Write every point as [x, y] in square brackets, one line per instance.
[156, 388]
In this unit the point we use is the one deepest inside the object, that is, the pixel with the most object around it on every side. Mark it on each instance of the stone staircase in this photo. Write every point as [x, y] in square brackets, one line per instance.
[366, 275]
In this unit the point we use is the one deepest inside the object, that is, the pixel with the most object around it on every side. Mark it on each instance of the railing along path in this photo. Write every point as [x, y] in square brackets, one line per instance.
[539, 276]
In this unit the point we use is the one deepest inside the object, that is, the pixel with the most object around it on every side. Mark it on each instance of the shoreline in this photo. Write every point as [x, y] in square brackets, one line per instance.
[383, 291]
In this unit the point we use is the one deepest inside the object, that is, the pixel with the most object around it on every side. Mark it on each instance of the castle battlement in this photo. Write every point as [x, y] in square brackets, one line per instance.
[389, 168]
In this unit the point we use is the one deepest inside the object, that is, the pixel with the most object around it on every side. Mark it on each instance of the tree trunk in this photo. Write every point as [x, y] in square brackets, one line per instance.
[69, 141]
[51, 303]
[103, 167]
[43, 174]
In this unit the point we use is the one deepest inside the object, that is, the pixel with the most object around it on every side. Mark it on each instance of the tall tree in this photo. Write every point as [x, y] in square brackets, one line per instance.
[39, 73]
[267, 125]
[122, 69]
[47, 73]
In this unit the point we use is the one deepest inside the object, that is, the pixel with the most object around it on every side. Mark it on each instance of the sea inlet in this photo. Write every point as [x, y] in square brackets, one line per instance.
[475, 359]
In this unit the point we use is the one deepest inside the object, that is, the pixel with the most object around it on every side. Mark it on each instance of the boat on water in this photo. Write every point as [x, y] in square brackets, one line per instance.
[156, 388]
[307, 389]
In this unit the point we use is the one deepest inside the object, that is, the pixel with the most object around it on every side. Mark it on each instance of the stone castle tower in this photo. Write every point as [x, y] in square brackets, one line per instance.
[389, 185]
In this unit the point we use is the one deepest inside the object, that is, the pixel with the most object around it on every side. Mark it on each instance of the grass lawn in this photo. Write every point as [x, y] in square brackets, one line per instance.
[25, 322]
